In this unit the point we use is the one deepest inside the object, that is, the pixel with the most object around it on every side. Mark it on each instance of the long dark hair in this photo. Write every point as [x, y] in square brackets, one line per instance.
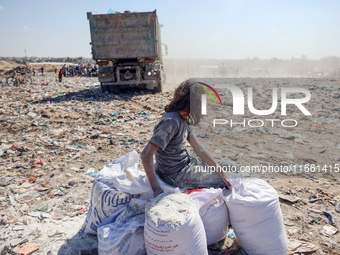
[187, 97]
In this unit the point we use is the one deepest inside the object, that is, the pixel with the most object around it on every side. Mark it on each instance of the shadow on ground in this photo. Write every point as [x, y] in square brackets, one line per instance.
[80, 244]
[94, 94]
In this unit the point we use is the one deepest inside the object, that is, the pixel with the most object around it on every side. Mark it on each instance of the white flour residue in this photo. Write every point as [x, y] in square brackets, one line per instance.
[170, 209]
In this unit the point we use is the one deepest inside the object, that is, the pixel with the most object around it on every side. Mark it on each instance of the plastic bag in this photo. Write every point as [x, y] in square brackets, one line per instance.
[113, 188]
[11, 215]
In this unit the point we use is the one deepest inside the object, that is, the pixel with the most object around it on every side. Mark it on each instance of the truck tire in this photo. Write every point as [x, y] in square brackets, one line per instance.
[114, 89]
[159, 88]
[104, 88]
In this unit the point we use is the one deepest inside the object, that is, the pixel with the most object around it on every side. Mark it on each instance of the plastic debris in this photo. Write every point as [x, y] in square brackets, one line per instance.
[322, 85]
[91, 172]
[30, 180]
[39, 163]
[25, 249]
[41, 208]
[329, 230]
[330, 217]
[79, 212]
[232, 235]
[317, 220]
[337, 206]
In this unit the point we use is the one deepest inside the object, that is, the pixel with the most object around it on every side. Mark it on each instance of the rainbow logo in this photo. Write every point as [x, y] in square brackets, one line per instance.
[204, 97]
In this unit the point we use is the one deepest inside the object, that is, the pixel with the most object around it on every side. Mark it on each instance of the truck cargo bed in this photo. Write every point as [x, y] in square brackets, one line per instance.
[125, 35]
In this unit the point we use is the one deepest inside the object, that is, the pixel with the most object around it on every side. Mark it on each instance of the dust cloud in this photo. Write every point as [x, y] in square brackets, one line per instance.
[178, 70]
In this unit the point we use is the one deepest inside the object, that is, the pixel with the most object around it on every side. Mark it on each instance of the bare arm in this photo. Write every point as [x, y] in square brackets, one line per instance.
[147, 159]
[204, 154]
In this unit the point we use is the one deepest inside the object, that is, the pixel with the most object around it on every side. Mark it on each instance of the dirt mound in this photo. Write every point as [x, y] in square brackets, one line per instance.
[6, 65]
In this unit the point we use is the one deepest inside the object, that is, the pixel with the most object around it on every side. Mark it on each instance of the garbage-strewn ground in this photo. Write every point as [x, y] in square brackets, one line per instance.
[56, 137]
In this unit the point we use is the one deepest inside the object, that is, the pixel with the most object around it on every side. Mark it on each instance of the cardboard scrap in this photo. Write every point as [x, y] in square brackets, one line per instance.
[298, 247]
[290, 199]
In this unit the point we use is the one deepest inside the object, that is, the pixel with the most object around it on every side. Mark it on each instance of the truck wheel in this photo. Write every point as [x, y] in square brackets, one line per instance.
[159, 88]
[104, 88]
[114, 89]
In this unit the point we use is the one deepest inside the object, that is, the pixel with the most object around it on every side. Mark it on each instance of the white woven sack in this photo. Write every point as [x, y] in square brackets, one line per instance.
[187, 239]
[113, 188]
[213, 212]
[256, 217]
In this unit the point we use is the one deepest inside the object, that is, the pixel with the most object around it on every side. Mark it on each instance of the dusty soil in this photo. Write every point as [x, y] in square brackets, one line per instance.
[71, 126]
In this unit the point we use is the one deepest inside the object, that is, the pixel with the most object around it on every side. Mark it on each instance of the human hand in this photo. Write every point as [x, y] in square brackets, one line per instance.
[157, 192]
[228, 183]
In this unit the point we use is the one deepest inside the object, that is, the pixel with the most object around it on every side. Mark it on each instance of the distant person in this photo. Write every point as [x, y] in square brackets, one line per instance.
[42, 71]
[77, 70]
[64, 70]
[55, 70]
[60, 75]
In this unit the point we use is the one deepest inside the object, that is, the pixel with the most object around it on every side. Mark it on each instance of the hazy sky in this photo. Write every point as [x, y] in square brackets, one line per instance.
[224, 29]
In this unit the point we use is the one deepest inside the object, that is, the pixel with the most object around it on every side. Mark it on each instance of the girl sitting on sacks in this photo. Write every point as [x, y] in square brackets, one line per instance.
[168, 143]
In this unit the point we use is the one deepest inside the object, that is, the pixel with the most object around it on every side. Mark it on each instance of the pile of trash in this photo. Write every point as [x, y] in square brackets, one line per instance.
[56, 137]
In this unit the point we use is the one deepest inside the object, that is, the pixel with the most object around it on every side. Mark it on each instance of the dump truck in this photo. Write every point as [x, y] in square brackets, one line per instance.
[128, 50]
